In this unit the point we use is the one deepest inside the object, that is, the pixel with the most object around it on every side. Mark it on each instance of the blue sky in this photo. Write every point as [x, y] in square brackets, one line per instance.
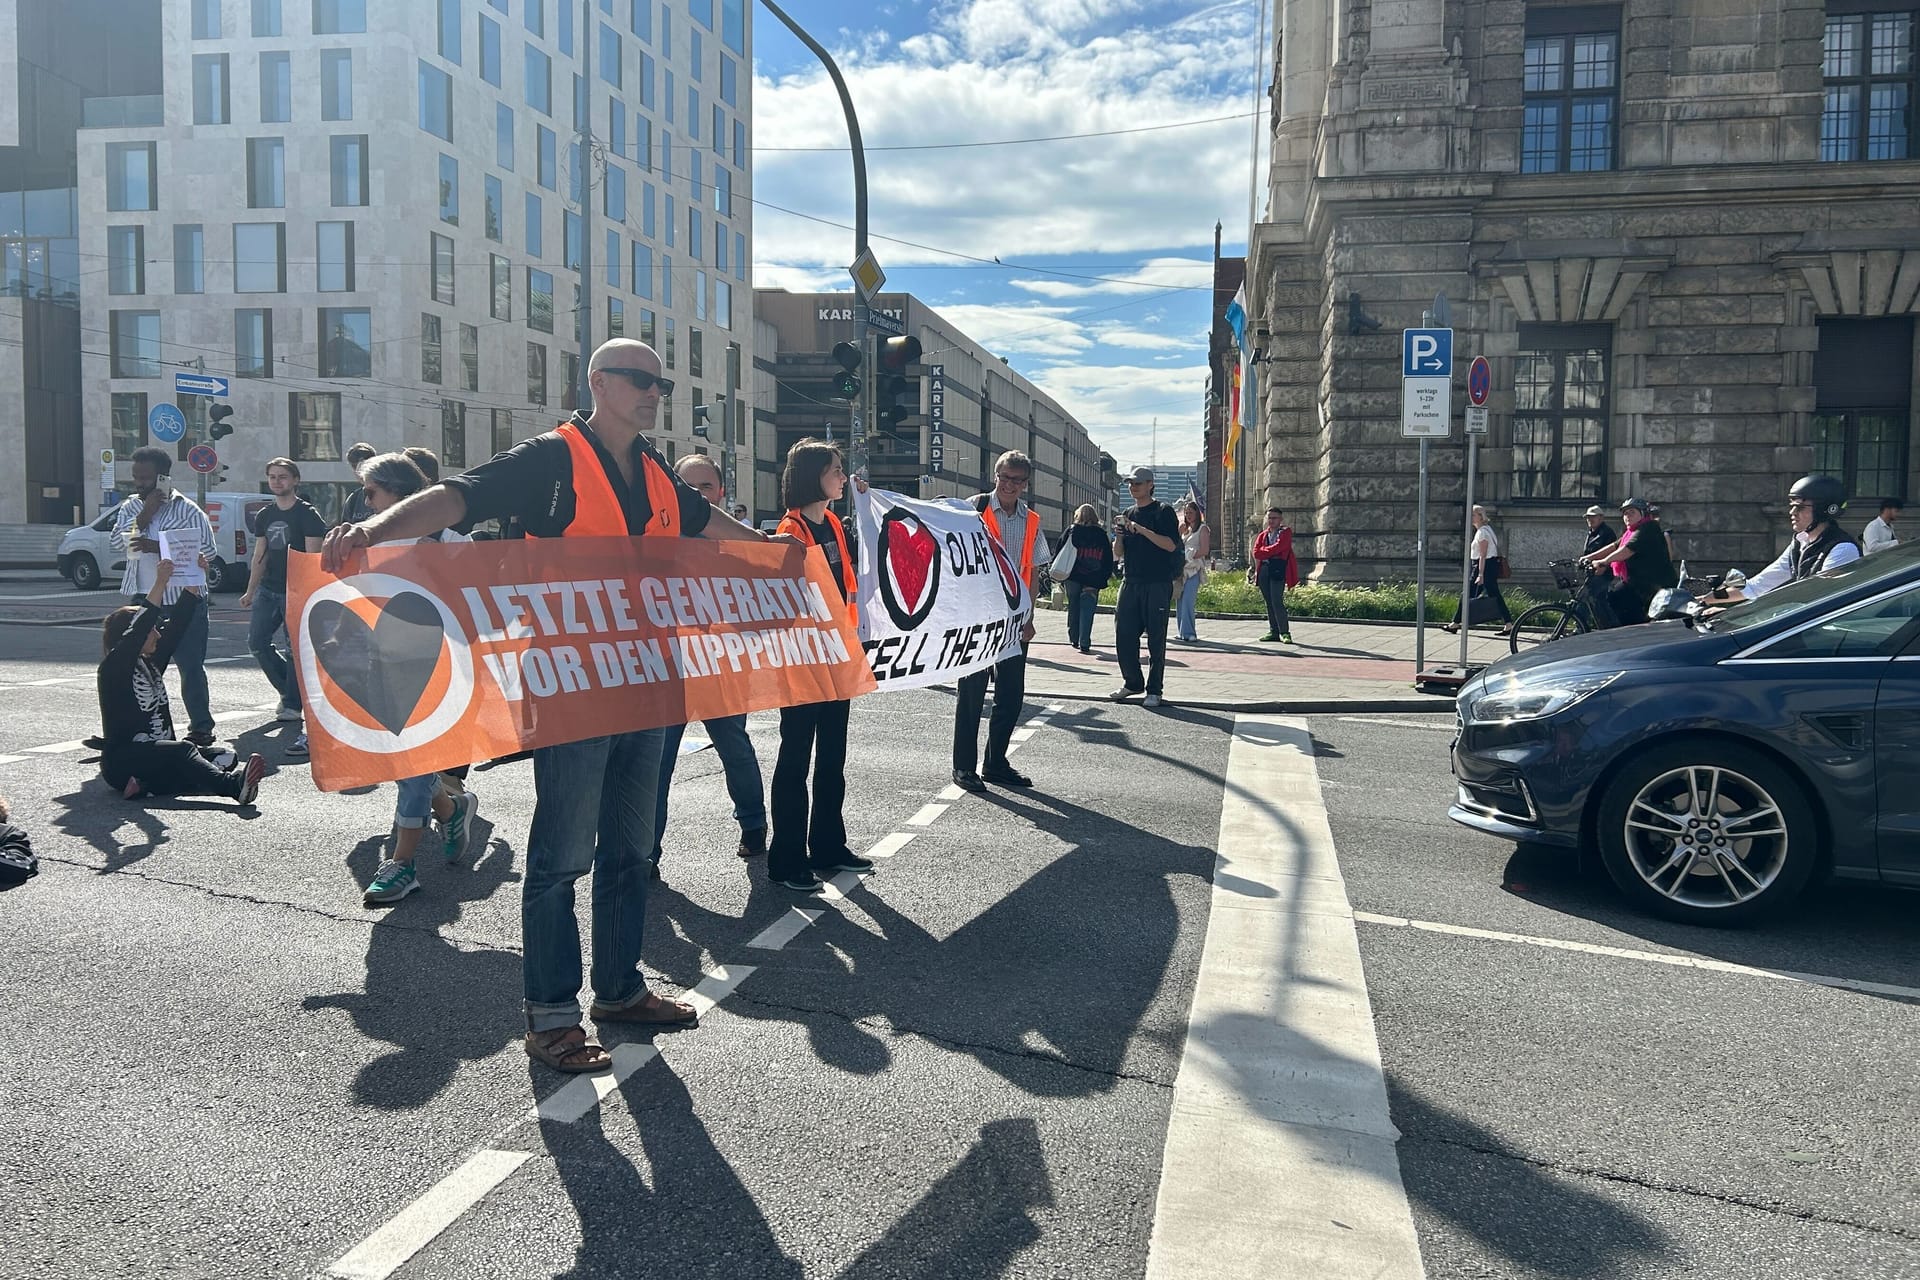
[1105, 243]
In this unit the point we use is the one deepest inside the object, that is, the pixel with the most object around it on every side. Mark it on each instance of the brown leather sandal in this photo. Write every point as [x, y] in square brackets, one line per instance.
[568, 1049]
[654, 1011]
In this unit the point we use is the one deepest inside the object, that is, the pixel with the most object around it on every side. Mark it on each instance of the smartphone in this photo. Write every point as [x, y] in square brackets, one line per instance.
[163, 485]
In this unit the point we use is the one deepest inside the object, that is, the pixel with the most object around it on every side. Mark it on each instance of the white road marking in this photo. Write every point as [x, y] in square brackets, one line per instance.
[11, 759]
[1436, 723]
[55, 748]
[78, 597]
[717, 986]
[41, 684]
[409, 1231]
[1649, 957]
[890, 845]
[583, 1093]
[949, 793]
[784, 930]
[1021, 735]
[928, 812]
[1280, 1157]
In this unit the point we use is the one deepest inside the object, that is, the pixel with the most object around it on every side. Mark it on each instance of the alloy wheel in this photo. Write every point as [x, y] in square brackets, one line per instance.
[1706, 836]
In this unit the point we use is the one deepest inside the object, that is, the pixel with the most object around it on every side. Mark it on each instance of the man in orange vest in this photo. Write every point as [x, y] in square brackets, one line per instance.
[1016, 527]
[596, 475]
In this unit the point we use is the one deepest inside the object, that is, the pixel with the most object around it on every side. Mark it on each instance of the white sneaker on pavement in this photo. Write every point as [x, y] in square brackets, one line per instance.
[1153, 700]
[1123, 693]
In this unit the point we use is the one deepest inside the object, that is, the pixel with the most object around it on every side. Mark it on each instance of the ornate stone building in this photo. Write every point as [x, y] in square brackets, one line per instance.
[1685, 232]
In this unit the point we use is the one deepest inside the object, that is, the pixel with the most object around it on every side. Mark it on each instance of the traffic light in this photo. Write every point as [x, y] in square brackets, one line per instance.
[898, 400]
[219, 428]
[847, 385]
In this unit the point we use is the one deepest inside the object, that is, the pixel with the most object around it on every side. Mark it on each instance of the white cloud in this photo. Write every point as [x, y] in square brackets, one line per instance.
[1010, 331]
[775, 275]
[1118, 404]
[1155, 275]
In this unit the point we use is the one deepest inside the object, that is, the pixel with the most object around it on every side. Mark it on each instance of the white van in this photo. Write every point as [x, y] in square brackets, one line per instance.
[88, 560]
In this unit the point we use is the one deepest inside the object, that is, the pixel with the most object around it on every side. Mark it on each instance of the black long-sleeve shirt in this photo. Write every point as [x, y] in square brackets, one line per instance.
[132, 688]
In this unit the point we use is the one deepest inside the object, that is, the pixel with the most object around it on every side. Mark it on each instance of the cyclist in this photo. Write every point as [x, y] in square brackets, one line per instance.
[1600, 540]
[1813, 508]
[1641, 565]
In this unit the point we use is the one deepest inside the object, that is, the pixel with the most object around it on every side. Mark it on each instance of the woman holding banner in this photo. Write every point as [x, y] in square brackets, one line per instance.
[808, 845]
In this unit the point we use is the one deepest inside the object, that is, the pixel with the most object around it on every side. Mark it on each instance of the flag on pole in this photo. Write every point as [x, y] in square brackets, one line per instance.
[1243, 399]
[1233, 420]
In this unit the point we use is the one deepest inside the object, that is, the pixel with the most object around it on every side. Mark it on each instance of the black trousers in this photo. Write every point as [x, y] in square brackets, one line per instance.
[1009, 692]
[1142, 608]
[169, 769]
[1273, 589]
[816, 732]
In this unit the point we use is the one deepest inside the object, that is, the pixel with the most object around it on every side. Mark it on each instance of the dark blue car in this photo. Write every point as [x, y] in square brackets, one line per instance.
[1716, 770]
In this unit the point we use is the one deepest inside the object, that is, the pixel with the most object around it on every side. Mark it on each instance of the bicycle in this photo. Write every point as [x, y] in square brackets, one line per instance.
[1547, 622]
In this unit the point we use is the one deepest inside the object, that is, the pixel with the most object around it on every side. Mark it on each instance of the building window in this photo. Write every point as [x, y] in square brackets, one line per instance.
[540, 301]
[564, 36]
[546, 172]
[667, 343]
[253, 343]
[610, 56]
[740, 144]
[453, 434]
[339, 17]
[259, 257]
[470, 357]
[333, 257]
[336, 84]
[666, 279]
[440, 254]
[490, 51]
[670, 213]
[500, 278]
[642, 19]
[617, 127]
[1863, 378]
[266, 173]
[616, 318]
[348, 169]
[502, 433]
[129, 421]
[1571, 86]
[535, 16]
[695, 227]
[723, 304]
[646, 210]
[614, 198]
[570, 240]
[696, 346]
[346, 342]
[436, 102]
[135, 338]
[536, 374]
[266, 18]
[450, 31]
[540, 81]
[503, 136]
[534, 226]
[646, 333]
[720, 245]
[719, 132]
[613, 258]
[206, 19]
[646, 80]
[430, 363]
[212, 103]
[643, 269]
[729, 81]
[722, 193]
[1561, 393]
[126, 260]
[495, 213]
[189, 258]
[570, 389]
[130, 177]
[449, 190]
[699, 295]
[276, 87]
[1869, 71]
[740, 255]
[313, 421]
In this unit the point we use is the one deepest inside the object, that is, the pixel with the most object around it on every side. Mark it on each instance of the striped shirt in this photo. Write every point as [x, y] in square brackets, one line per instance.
[177, 512]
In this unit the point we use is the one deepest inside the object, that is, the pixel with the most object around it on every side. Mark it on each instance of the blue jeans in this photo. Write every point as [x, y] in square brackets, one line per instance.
[1083, 603]
[268, 619]
[190, 660]
[413, 808]
[1189, 593]
[593, 809]
[741, 765]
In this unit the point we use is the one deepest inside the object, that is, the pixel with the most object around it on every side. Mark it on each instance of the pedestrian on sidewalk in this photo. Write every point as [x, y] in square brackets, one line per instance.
[289, 521]
[727, 733]
[1273, 571]
[139, 754]
[137, 528]
[1147, 541]
[1016, 527]
[386, 481]
[1092, 571]
[1489, 566]
[1198, 545]
[811, 841]
[596, 475]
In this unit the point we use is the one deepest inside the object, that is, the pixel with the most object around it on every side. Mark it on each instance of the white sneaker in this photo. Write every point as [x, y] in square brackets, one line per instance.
[1153, 700]
[1123, 693]
[289, 714]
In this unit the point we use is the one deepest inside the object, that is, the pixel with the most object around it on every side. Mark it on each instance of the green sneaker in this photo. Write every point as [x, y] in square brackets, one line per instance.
[1286, 637]
[392, 882]
[1268, 638]
[457, 831]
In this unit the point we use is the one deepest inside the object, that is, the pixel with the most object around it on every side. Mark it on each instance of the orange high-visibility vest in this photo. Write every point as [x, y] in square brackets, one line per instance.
[1026, 547]
[796, 524]
[596, 509]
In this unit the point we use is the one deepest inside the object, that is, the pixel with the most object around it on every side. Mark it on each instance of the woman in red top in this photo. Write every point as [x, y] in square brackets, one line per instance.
[807, 846]
[1274, 570]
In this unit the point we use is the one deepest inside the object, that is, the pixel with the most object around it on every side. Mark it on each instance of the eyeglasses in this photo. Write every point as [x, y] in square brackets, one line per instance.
[642, 378]
[1012, 477]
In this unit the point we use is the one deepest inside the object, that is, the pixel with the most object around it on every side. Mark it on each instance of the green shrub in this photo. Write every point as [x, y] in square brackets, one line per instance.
[1390, 601]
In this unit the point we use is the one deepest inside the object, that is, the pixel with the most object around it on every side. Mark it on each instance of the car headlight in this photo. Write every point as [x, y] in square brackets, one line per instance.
[1524, 699]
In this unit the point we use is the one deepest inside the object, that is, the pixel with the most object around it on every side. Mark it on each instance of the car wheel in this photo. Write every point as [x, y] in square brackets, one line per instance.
[86, 573]
[217, 575]
[1708, 832]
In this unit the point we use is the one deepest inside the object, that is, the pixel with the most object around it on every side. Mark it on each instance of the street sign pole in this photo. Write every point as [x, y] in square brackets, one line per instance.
[1479, 386]
[1420, 570]
[1426, 379]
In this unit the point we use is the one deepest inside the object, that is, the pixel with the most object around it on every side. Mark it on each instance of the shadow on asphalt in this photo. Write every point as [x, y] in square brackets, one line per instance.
[437, 1003]
[1823, 933]
[96, 813]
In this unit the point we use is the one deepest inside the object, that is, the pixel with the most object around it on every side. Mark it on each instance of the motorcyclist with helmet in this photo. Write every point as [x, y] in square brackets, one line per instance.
[1813, 508]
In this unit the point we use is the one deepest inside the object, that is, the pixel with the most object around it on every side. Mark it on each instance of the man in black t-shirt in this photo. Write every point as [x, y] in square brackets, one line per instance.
[1147, 538]
[289, 522]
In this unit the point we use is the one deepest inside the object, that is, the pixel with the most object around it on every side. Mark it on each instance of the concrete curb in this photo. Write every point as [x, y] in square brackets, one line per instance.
[1426, 703]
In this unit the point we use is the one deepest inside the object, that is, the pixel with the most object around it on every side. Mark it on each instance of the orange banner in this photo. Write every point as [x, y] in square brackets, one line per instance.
[431, 655]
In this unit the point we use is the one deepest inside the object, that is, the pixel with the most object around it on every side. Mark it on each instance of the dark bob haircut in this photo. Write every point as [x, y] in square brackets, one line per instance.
[807, 461]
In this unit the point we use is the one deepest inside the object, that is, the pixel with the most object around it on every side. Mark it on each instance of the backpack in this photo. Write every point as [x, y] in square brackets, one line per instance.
[17, 863]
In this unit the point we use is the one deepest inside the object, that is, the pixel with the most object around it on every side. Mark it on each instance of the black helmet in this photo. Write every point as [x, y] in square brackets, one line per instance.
[1824, 494]
[1636, 504]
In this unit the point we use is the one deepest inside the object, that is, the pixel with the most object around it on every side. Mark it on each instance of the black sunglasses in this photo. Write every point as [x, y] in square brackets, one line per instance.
[643, 378]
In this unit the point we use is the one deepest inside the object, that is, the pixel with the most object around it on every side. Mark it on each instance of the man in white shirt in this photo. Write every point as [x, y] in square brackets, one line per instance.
[1813, 508]
[1879, 534]
[1016, 527]
[155, 509]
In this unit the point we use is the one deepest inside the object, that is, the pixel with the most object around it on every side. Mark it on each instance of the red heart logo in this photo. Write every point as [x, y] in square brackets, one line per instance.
[910, 576]
[911, 555]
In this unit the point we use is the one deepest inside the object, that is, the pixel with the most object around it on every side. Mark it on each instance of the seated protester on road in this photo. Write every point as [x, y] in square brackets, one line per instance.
[385, 481]
[17, 862]
[809, 843]
[139, 753]
[1813, 510]
[1641, 565]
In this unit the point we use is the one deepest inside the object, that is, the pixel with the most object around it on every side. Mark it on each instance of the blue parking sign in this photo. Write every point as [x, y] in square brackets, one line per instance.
[1426, 353]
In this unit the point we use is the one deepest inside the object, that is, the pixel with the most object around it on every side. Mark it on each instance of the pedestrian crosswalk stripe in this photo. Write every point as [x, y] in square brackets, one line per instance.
[409, 1231]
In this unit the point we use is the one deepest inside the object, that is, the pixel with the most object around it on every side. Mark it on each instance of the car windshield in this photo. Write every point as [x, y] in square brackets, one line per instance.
[1795, 596]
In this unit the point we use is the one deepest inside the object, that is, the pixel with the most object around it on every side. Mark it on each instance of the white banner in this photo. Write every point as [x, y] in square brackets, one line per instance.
[939, 598]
